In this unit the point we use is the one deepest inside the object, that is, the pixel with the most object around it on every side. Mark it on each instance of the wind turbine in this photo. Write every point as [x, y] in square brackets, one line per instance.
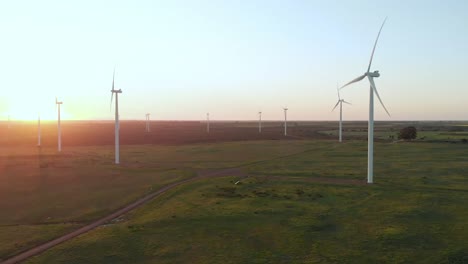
[260, 122]
[207, 122]
[370, 140]
[147, 122]
[38, 130]
[340, 102]
[58, 125]
[285, 121]
[117, 124]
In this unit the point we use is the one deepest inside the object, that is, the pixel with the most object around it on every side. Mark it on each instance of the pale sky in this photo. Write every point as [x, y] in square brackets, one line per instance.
[180, 59]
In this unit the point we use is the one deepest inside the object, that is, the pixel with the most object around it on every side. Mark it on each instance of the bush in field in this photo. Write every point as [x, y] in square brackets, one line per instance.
[408, 133]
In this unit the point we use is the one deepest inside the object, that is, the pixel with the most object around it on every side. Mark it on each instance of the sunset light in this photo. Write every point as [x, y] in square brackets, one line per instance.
[242, 131]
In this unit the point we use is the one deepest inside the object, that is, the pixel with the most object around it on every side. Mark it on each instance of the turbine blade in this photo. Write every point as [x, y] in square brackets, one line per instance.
[347, 102]
[113, 77]
[375, 45]
[353, 81]
[338, 90]
[112, 97]
[336, 105]
[112, 92]
[378, 96]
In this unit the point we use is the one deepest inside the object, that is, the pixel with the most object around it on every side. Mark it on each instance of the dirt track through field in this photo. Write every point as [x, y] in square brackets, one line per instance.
[236, 171]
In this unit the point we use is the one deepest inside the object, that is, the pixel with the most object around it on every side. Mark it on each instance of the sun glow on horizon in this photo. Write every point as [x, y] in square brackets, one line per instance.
[27, 109]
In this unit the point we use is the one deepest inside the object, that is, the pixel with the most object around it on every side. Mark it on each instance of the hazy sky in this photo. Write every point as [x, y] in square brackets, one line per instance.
[181, 59]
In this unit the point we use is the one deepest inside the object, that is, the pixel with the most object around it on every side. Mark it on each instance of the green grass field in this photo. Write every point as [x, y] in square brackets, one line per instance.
[43, 195]
[416, 212]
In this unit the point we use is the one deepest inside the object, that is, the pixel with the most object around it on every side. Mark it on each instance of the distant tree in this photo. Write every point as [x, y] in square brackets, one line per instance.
[408, 133]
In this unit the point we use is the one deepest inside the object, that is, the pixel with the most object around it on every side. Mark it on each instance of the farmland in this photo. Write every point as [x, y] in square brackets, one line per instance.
[300, 198]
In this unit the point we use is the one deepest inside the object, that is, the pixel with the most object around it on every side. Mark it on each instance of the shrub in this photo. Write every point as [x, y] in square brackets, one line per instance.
[408, 133]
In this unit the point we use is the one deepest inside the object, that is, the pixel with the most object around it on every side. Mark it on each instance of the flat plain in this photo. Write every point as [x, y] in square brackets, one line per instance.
[298, 199]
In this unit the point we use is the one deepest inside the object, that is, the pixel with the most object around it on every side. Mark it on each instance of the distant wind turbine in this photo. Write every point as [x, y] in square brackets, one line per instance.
[208, 122]
[260, 122]
[117, 124]
[147, 122]
[285, 121]
[370, 140]
[340, 102]
[59, 133]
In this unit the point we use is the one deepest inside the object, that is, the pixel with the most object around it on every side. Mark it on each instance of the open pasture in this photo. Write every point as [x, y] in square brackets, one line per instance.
[302, 201]
[44, 194]
[284, 212]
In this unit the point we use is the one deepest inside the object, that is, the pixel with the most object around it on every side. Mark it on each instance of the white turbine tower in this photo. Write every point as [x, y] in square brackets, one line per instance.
[117, 124]
[285, 121]
[370, 140]
[260, 122]
[38, 130]
[59, 133]
[208, 122]
[340, 102]
[147, 122]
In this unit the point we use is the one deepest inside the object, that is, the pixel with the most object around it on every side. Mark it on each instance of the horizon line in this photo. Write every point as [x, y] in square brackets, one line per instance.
[229, 120]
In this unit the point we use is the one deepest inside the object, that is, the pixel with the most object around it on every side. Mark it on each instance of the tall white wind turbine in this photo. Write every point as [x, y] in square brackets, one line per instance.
[370, 140]
[340, 102]
[117, 124]
[59, 133]
[147, 122]
[285, 121]
[38, 130]
[260, 122]
[207, 122]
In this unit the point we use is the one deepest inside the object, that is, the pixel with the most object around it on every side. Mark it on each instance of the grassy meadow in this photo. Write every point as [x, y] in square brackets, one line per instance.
[43, 194]
[416, 212]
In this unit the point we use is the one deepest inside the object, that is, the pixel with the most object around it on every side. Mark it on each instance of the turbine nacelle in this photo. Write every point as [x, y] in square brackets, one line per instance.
[116, 91]
[374, 74]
